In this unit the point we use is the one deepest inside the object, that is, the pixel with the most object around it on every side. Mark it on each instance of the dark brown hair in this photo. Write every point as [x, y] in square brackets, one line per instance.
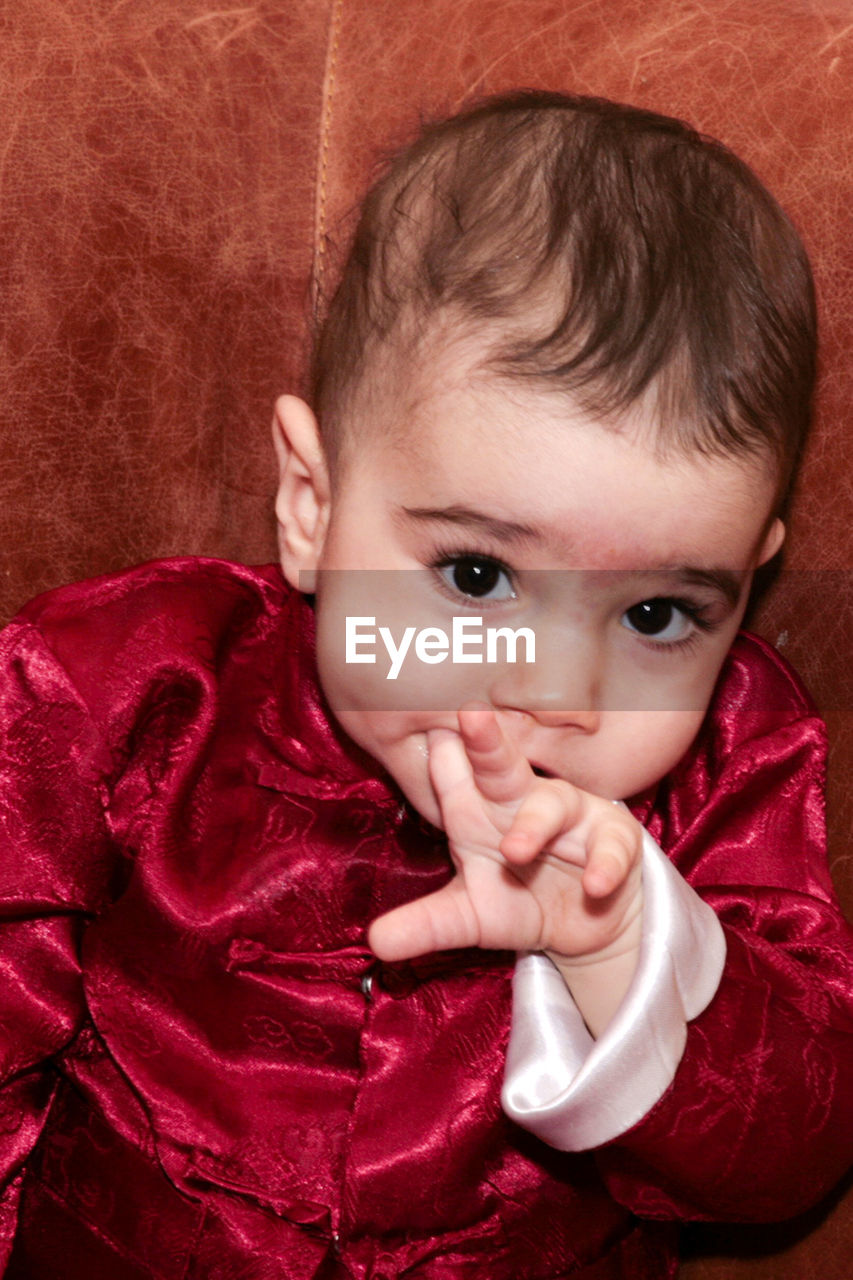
[602, 250]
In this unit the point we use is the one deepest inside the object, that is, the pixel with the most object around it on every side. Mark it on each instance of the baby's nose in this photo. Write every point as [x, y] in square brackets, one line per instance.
[561, 689]
[583, 721]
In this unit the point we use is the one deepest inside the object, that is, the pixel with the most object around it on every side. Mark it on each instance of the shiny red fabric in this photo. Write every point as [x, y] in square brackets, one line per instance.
[207, 1074]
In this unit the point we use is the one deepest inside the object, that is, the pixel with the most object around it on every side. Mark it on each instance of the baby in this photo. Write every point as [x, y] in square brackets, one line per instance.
[266, 890]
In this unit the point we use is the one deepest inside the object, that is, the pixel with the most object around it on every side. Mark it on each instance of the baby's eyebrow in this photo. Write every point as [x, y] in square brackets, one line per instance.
[727, 582]
[506, 530]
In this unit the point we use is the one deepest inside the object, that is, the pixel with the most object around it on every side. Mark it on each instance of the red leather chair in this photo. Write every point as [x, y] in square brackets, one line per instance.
[176, 182]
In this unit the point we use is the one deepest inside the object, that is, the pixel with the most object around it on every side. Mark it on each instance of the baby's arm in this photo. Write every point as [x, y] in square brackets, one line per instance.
[756, 1122]
[747, 1112]
[617, 952]
[541, 866]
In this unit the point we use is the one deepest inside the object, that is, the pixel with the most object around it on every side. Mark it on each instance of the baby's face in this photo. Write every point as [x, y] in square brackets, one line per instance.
[631, 571]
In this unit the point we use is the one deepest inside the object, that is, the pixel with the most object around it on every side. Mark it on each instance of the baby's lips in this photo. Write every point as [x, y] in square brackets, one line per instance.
[540, 771]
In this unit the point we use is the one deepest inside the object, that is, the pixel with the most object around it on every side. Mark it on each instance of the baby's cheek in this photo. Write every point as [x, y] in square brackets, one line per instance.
[664, 739]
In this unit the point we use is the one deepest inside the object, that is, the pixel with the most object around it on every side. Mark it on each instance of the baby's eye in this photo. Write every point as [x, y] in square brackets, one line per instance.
[478, 577]
[661, 619]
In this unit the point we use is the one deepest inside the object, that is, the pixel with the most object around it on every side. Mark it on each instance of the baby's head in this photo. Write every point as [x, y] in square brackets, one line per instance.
[603, 254]
[570, 336]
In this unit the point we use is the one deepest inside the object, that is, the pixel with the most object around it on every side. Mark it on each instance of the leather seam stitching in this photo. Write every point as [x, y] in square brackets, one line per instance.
[321, 191]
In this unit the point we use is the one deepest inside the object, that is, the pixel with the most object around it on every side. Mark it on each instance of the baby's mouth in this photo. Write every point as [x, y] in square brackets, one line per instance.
[540, 772]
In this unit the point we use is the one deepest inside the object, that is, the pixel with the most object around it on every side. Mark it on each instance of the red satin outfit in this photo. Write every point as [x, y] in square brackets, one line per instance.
[207, 1076]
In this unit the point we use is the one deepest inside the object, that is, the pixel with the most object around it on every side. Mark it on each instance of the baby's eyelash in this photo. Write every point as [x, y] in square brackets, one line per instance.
[695, 611]
[445, 556]
[700, 614]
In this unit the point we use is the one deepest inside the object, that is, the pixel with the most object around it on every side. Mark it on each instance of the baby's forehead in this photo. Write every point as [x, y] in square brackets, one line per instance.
[451, 384]
[454, 433]
[428, 372]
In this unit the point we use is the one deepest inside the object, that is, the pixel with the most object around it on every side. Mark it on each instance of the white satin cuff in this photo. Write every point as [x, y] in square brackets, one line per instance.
[575, 1092]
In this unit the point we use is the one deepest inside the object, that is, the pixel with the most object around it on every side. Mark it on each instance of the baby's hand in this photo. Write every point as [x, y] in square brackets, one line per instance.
[540, 866]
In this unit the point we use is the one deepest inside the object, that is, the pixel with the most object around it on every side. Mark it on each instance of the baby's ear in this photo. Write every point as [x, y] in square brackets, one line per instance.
[303, 499]
[773, 539]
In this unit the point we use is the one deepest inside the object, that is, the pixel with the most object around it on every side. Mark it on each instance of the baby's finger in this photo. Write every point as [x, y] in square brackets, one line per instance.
[448, 762]
[500, 771]
[549, 809]
[441, 921]
[612, 851]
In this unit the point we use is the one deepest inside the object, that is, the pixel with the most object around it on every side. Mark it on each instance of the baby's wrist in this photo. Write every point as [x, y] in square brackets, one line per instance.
[626, 945]
[598, 981]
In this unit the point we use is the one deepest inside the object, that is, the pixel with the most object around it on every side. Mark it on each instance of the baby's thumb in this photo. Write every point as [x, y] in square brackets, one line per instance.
[438, 922]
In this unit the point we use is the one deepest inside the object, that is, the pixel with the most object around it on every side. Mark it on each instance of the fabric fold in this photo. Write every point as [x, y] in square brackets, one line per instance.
[575, 1092]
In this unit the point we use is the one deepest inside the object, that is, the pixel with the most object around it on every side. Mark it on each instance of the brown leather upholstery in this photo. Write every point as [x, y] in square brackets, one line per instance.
[172, 173]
